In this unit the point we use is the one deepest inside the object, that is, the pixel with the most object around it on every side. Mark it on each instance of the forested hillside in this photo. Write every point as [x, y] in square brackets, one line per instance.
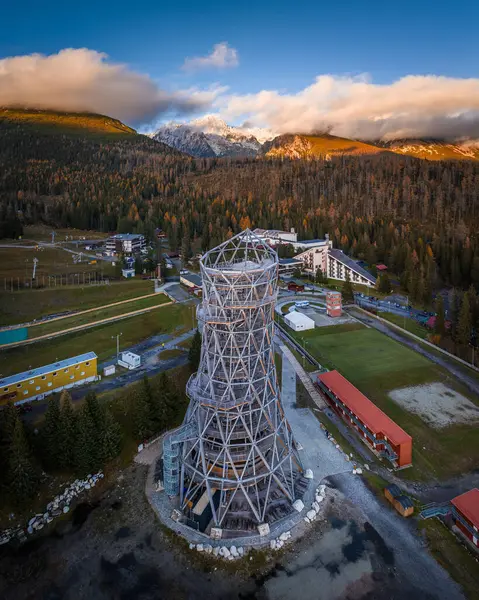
[419, 217]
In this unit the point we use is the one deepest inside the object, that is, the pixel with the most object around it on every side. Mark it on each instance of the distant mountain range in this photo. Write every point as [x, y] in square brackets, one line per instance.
[212, 137]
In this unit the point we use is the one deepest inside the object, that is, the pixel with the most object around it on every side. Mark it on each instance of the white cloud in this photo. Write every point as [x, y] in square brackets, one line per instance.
[413, 106]
[221, 57]
[85, 80]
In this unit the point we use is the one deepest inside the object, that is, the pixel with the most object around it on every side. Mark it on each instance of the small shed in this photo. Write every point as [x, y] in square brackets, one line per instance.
[298, 322]
[128, 273]
[402, 503]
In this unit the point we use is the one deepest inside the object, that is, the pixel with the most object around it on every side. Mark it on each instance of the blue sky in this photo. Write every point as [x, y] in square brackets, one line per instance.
[281, 46]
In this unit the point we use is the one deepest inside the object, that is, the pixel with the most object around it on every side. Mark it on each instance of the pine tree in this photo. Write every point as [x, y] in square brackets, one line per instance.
[440, 320]
[142, 402]
[347, 291]
[68, 431]
[112, 438]
[85, 451]
[23, 475]
[464, 325]
[50, 435]
[383, 284]
[194, 353]
[8, 419]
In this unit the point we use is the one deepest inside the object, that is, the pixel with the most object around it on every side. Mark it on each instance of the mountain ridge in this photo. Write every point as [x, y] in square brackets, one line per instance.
[209, 137]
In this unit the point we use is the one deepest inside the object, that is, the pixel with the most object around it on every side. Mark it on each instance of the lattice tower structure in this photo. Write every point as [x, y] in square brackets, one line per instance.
[242, 467]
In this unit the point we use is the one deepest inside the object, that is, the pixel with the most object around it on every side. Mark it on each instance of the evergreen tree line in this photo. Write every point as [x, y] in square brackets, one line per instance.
[80, 441]
[418, 217]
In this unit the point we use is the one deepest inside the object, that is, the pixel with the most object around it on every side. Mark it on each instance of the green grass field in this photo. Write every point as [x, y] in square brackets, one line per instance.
[172, 319]
[26, 305]
[96, 315]
[407, 324]
[452, 554]
[376, 365]
[17, 263]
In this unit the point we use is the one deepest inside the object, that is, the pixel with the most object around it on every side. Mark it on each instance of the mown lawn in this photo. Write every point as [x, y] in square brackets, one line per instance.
[96, 315]
[376, 365]
[172, 319]
[26, 305]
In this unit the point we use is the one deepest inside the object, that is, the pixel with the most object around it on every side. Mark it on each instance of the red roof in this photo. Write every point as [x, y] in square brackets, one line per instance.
[381, 267]
[363, 408]
[468, 505]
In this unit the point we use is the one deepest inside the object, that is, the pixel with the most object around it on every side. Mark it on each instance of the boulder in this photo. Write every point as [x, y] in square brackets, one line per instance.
[298, 505]
[66, 508]
[308, 474]
[30, 530]
[359, 471]
[241, 551]
[285, 536]
[315, 506]
[87, 486]
[263, 529]
[199, 547]
[234, 551]
[32, 521]
[216, 551]
[319, 499]
[225, 551]
[307, 520]
[208, 549]
[311, 514]
[192, 546]
[272, 544]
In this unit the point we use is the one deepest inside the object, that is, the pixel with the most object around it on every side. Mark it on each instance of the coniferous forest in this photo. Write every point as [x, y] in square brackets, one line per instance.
[419, 217]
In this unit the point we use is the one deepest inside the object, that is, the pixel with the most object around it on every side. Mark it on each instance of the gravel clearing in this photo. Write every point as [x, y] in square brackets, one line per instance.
[438, 405]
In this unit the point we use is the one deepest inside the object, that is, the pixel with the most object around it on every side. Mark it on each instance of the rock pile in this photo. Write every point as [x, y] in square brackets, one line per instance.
[315, 506]
[58, 506]
[228, 553]
[280, 541]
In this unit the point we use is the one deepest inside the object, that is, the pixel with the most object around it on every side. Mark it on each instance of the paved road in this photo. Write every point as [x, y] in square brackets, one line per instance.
[442, 360]
[151, 365]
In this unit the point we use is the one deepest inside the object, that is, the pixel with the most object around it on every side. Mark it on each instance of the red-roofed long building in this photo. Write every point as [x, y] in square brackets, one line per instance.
[381, 433]
[465, 512]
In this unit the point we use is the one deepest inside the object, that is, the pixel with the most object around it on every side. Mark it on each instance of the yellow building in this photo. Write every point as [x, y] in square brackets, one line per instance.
[38, 383]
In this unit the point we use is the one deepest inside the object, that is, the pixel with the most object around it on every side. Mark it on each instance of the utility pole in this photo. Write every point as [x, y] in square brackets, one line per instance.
[117, 344]
[35, 262]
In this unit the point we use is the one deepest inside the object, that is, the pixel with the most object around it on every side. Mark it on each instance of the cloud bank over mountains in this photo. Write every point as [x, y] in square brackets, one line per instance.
[83, 80]
[414, 106]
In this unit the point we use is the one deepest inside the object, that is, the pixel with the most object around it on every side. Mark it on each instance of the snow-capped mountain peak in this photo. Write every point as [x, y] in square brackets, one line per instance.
[211, 136]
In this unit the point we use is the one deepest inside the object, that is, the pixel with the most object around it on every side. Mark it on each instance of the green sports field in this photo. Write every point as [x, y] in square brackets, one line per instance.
[376, 365]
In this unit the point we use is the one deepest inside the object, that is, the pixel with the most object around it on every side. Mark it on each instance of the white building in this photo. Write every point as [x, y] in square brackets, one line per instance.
[332, 262]
[129, 360]
[273, 237]
[298, 322]
[125, 243]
